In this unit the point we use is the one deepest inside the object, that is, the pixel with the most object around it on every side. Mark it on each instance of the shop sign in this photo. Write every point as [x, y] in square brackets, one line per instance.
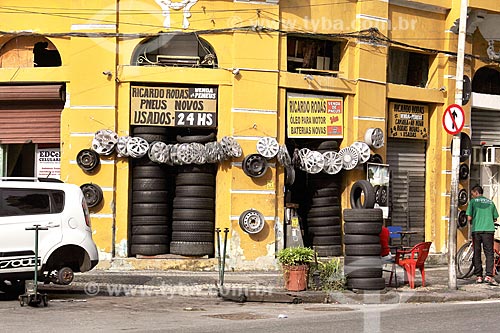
[311, 116]
[48, 163]
[171, 106]
[408, 121]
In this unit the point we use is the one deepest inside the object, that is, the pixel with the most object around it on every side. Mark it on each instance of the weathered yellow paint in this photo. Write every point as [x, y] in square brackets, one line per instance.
[250, 105]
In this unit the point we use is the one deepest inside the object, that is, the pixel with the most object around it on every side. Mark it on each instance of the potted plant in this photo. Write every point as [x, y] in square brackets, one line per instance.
[295, 264]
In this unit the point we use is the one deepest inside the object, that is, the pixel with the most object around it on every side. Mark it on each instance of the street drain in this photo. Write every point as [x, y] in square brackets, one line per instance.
[239, 316]
[336, 309]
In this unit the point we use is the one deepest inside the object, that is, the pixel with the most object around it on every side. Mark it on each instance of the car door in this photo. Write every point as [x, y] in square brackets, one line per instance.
[23, 208]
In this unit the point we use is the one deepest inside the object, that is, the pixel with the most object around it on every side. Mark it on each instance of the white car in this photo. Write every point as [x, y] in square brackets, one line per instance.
[65, 247]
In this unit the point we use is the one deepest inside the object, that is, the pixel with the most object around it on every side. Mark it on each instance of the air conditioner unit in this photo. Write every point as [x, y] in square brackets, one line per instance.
[492, 156]
[477, 155]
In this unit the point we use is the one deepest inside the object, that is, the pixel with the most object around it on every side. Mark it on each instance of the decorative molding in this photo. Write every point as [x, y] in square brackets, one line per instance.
[167, 5]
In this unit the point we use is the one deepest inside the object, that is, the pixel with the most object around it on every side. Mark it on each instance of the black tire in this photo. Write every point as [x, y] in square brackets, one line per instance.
[383, 196]
[364, 228]
[328, 250]
[198, 236]
[463, 171]
[154, 209]
[328, 145]
[195, 179]
[193, 215]
[15, 288]
[150, 130]
[149, 196]
[366, 283]
[325, 192]
[195, 191]
[463, 197]
[324, 211]
[150, 138]
[326, 181]
[362, 272]
[194, 203]
[148, 249]
[143, 161]
[361, 239]
[333, 230]
[196, 138]
[192, 248]
[362, 249]
[464, 263]
[149, 185]
[363, 215]
[149, 220]
[194, 168]
[376, 189]
[324, 221]
[360, 188]
[148, 171]
[149, 239]
[326, 240]
[150, 230]
[363, 261]
[325, 201]
[198, 226]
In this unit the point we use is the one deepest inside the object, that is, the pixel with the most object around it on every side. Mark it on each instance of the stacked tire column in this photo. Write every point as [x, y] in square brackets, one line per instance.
[362, 263]
[323, 218]
[150, 218]
[193, 216]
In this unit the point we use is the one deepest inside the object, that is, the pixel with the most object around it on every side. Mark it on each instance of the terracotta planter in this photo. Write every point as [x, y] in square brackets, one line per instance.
[295, 277]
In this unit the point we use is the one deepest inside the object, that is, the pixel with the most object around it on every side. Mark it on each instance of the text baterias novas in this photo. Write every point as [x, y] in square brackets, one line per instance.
[168, 106]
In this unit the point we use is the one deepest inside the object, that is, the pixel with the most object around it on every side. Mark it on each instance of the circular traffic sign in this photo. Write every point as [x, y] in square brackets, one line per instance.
[453, 119]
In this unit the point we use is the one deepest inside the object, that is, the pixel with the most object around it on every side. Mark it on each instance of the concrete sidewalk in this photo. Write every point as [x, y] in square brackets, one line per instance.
[267, 287]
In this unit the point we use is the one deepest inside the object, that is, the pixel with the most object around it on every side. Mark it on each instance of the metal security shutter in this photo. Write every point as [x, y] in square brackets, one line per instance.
[485, 126]
[406, 159]
[31, 113]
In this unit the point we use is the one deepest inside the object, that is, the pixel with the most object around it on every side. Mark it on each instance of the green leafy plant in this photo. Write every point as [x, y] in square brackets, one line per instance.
[327, 275]
[294, 256]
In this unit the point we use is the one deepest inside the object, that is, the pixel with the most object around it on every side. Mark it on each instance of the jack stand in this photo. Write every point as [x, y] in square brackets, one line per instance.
[221, 260]
[31, 296]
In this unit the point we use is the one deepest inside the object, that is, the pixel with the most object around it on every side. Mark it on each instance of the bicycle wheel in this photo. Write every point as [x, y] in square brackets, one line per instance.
[464, 261]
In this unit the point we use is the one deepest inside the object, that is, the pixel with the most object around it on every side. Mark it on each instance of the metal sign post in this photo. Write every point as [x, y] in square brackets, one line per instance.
[455, 162]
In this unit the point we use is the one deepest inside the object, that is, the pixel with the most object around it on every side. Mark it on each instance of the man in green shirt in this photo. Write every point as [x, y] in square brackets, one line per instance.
[482, 214]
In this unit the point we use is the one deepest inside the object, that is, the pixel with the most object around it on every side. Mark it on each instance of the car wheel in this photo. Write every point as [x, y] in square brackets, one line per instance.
[65, 276]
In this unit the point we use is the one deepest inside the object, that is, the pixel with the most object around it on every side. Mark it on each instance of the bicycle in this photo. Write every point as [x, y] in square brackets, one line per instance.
[465, 264]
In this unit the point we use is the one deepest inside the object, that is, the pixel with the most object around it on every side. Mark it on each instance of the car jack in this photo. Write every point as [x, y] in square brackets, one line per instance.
[31, 296]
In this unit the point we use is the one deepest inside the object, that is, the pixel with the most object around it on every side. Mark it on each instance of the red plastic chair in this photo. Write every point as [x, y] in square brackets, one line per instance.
[412, 259]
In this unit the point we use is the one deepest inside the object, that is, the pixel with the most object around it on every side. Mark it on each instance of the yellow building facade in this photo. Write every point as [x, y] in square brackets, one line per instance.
[300, 72]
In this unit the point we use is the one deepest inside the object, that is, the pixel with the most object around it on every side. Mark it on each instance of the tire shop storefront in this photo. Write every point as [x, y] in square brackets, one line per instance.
[172, 197]
[30, 129]
[313, 179]
[406, 156]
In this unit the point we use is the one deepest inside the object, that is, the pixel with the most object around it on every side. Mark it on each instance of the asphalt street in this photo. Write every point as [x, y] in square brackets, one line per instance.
[196, 314]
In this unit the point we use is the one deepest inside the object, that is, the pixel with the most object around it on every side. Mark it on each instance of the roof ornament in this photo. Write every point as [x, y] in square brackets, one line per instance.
[167, 5]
